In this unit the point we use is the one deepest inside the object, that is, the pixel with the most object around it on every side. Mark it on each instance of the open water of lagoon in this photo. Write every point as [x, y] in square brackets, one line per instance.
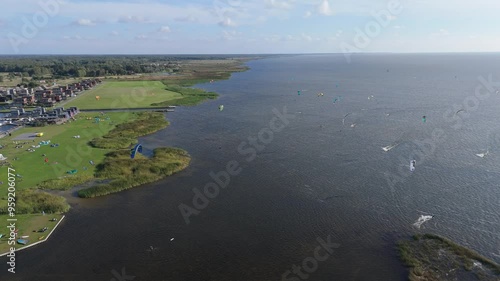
[315, 178]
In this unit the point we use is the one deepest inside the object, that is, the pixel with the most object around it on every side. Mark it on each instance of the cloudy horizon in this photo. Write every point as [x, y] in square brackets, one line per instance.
[247, 27]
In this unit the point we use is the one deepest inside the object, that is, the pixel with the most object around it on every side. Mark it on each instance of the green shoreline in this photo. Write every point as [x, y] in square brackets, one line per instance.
[418, 254]
[432, 257]
[117, 168]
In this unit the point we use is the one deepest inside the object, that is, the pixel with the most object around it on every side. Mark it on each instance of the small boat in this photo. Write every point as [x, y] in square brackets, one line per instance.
[22, 241]
[41, 238]
[26, 236]
[1, 235]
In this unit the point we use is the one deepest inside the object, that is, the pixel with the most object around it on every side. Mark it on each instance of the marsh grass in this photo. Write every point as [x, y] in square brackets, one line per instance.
[127, 173]
[189, 96]
[431, 257]
[65, 183]
[31, 201]
[126, 134]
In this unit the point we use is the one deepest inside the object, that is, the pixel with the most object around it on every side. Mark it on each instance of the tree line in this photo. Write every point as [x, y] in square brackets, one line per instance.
[90, 66]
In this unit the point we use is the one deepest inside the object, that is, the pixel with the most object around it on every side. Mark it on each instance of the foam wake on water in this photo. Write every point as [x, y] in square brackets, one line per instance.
[482, 154]
[389, 147]
[421, 220]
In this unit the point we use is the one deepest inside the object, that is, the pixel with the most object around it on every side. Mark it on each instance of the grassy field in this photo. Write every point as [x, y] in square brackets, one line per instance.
[26, 225]
[124, 94]
[95, 143]
[435, 258]
[72, 153]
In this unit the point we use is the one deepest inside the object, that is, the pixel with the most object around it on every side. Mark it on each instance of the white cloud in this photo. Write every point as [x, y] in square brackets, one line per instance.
[303, 37]
[141, 37]
[75, 37]
[133, 19]
[230, 35]
[306, 37]
[441, 33]
[85, 22]
[324, 8]
[164, 29]
[278, 4]
[227, 22]
[273, 38]
[189, 18]
[114, 33]
[307, 14]
[444, 31]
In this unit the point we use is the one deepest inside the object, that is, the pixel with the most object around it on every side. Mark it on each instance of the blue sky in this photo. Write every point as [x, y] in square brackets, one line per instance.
[251, 26]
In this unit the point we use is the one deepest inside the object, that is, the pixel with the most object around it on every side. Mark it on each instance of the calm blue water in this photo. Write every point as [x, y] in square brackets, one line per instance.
[314, 178]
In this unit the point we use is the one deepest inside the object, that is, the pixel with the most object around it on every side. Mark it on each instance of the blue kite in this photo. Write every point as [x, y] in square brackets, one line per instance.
[133, 151]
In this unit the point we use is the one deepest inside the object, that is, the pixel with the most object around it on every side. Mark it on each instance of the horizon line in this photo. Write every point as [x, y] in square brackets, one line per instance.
[243, 54]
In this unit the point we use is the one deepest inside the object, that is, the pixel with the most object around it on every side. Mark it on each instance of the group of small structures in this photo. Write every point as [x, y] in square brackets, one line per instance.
[59, 115]
[45, 95]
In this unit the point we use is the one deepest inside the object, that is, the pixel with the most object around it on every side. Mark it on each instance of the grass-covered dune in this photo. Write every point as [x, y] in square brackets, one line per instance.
[127, 173]
[188, 96]
[435, 258]
[126, 134]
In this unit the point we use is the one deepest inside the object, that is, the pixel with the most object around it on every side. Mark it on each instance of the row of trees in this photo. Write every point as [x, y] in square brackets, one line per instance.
[87, 66]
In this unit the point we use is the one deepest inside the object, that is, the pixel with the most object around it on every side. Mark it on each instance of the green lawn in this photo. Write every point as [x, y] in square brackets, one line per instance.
[72, 153]
[124, 94]
[26, 224]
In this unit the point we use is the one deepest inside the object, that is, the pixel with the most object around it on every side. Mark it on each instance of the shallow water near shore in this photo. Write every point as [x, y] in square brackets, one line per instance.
[314, 179]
